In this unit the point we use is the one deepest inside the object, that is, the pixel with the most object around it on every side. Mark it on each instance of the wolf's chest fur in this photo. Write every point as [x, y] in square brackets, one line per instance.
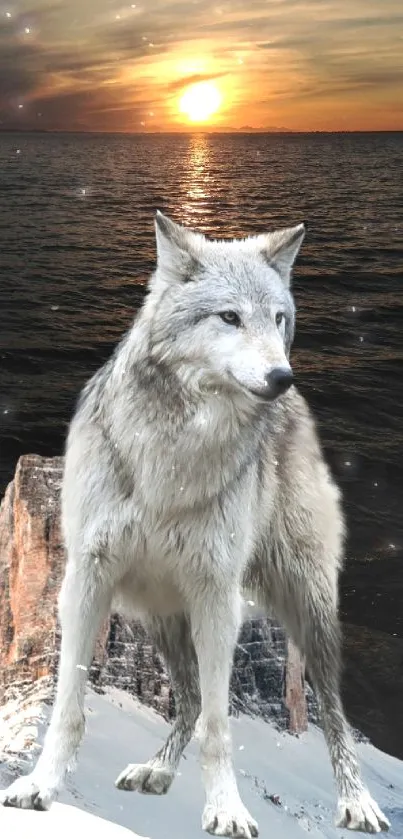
[195, 492]
[190, 467]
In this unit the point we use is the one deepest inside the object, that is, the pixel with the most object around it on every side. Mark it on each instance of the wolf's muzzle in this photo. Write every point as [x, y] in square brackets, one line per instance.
[277, 382]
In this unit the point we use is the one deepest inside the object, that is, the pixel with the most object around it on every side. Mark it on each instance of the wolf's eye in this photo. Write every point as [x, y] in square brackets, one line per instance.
[279, 318]
[231, 318]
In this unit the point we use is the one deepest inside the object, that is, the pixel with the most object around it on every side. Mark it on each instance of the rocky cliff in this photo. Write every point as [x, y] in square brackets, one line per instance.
[268, 675]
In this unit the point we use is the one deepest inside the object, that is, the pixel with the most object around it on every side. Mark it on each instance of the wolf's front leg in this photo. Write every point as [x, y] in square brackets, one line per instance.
[215, 624]
[84, 602]
[173, 638]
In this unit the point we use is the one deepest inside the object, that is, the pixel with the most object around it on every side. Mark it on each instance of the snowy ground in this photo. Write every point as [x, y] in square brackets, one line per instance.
[297, 770]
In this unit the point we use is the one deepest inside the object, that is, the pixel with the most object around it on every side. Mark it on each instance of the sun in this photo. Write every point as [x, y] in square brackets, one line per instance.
[200, 101]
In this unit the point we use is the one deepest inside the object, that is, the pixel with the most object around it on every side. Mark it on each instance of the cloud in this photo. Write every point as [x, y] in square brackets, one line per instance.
[20, 70]
[194, 78]
[86, 110]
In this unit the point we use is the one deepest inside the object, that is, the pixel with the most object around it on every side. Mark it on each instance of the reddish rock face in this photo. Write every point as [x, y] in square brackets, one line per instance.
[267, 676]
[32, 560]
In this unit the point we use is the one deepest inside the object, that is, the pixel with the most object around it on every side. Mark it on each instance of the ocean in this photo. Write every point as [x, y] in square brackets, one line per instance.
[76, 247]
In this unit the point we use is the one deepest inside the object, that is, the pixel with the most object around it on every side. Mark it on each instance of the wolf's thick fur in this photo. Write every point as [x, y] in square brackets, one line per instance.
[193, 470]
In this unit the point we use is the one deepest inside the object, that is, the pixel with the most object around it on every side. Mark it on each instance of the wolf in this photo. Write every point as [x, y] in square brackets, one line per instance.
[193, 475]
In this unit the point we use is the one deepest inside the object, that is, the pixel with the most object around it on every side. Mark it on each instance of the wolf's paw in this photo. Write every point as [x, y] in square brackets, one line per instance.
[145, 778]
[232, 821]
[28, 793]
[361, 813]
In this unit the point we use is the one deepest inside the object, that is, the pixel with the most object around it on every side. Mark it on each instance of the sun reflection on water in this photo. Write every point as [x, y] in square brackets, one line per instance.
[198, 183]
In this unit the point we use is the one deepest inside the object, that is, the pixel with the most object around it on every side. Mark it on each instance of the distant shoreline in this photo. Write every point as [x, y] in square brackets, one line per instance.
[224, 132]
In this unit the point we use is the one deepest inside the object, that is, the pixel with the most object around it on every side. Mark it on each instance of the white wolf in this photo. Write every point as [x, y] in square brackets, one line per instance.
[193, 470]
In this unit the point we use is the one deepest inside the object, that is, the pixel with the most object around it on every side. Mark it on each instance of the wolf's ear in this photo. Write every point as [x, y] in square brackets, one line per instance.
[177, 249]
[281, 249]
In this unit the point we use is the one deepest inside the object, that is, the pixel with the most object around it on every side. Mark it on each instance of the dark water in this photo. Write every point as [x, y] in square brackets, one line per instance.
[76, 243]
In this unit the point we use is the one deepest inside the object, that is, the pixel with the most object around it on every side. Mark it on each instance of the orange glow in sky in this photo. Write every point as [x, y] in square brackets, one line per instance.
[108, 65]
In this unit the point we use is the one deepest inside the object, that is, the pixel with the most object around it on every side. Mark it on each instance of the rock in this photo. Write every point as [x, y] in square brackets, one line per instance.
[295, 691]
[32, 561]
[61, 818]
[268, 676]
[275, 799]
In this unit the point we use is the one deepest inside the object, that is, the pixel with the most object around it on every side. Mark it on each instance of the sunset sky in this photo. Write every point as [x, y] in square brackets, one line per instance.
[106, 65]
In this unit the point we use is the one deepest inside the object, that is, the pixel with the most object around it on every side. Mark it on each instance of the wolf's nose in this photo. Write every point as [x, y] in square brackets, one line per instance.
[279, 380]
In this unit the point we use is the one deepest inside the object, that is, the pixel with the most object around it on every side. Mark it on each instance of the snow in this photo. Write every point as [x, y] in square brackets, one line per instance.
[286, 782]
[24, 823]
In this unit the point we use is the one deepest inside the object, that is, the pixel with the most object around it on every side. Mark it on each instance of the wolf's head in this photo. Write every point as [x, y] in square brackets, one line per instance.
[221, 312]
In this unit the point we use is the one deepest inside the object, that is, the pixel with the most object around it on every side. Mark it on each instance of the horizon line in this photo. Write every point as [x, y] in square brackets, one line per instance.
[19, 130]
